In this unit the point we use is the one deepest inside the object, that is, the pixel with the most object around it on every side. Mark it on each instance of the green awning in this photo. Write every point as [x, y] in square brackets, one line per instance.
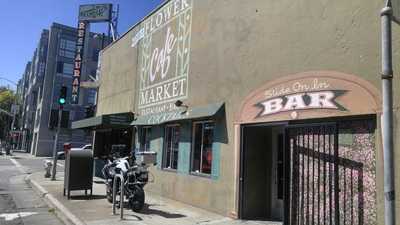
[118, 120]
[190, 113]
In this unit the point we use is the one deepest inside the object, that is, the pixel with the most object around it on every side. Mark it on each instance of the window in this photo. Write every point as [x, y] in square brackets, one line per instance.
[65, 68]
[171, 147]
[60, 67]
[95, 55]
[145, 139]
[67, 48]
[68, 68]
[42, 66]
[91, 96]
[67, 44]
[67, 54]
[203, 133]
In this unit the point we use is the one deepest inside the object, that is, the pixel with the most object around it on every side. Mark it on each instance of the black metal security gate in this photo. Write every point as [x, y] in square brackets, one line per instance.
[323, 187]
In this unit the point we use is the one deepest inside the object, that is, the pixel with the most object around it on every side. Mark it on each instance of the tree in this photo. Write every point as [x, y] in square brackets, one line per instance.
[7, 98]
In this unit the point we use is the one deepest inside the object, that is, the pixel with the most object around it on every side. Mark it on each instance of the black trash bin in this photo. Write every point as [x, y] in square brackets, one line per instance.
[78, 171]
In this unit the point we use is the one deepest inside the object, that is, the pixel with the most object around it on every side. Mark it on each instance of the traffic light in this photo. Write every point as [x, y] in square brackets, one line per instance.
[63, 95]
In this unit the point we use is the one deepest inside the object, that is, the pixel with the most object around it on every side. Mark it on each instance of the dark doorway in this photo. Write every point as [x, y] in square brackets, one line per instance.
[262, 173]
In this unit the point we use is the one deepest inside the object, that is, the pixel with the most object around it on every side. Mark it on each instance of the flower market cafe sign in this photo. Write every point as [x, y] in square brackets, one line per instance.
[316, 94]
[163, 41]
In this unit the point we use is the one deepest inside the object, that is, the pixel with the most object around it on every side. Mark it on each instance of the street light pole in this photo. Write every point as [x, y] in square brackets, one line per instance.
[387, 114]
[54, 169]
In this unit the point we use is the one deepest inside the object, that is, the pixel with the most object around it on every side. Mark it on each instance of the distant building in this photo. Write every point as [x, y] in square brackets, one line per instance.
[18, 122]
[52, 68]
[33, 82]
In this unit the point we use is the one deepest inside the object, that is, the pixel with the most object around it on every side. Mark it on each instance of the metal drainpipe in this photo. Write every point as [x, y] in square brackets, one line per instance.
[387, 114]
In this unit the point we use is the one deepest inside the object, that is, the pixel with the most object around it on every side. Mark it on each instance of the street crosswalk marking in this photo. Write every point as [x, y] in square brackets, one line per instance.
[18, 165]
[13, 216]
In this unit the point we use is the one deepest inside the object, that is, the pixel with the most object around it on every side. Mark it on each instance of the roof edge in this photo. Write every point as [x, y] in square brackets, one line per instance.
[136, 24]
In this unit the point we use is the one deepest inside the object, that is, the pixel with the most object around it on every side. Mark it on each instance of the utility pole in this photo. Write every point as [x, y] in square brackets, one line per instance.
[387, 113]
[61, 102]
[54, 171]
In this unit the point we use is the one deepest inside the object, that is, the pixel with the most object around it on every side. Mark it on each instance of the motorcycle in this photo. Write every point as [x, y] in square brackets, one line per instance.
[135, 178]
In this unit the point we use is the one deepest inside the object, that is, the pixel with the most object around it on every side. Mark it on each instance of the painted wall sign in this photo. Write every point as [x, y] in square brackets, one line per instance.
[164, 50]
[76, 78]
[95, 12]
[301, 101]
[307, 95]
[161, 118]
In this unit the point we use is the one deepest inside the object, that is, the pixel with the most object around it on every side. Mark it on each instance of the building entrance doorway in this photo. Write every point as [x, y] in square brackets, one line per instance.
[308, 173]
[262, 172]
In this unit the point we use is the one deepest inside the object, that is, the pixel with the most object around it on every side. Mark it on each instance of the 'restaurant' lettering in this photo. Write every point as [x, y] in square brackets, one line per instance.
[299, 101]
[78, 62]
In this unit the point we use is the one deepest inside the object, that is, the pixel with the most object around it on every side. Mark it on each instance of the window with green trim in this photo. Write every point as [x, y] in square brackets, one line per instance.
[203, 138]
[171, 147]
[145, 136]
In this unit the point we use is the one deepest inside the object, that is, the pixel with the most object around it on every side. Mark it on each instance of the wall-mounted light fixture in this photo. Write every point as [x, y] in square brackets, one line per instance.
[179, 103]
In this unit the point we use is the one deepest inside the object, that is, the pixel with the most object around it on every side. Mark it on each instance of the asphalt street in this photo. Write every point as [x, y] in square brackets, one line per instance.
[19, 204]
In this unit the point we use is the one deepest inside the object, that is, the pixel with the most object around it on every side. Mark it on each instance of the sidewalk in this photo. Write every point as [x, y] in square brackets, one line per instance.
[96, 210]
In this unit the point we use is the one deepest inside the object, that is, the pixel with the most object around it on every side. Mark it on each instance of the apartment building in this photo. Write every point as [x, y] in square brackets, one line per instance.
[50, 69]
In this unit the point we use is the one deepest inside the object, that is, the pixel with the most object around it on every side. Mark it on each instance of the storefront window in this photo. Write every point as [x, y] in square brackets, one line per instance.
[203, 133]
[145, 139]
[171, 147]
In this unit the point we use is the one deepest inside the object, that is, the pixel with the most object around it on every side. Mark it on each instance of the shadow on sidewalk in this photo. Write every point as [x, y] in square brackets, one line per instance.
[87, 197]
[148, 211]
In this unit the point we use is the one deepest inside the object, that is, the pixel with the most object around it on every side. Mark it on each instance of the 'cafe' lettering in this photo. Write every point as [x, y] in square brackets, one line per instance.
[301, 101]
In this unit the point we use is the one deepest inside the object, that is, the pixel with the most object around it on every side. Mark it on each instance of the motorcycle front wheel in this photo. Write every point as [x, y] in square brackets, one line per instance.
[136, 202]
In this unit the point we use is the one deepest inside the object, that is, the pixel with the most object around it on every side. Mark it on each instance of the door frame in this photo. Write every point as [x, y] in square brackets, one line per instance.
[242, 158]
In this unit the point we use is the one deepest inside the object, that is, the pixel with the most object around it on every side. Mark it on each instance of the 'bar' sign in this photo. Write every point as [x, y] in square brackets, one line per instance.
[78, 62]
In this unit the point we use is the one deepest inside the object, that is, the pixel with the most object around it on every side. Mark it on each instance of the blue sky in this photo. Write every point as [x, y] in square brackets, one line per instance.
[23, 21]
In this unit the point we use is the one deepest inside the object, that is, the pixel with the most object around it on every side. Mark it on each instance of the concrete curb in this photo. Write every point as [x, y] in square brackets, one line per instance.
[62, 212]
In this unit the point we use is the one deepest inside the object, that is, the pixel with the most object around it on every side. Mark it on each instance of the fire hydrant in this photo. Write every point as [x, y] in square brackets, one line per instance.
[67, 148]
[47, 168]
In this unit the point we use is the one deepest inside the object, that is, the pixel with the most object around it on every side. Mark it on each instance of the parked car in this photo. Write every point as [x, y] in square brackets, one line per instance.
[61, 155]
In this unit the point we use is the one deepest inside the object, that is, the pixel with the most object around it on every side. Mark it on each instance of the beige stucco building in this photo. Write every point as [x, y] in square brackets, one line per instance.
[257, 110]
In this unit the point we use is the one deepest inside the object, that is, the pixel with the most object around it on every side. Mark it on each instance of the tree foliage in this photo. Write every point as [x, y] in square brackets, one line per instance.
[7, 98]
